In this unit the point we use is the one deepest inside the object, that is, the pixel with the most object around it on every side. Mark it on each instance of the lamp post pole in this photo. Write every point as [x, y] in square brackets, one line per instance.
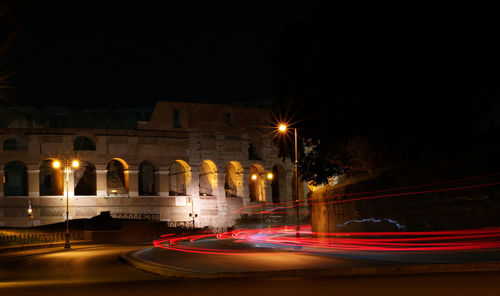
[191, 203]
[67, 168]
[66, 243]
[192, 210]
[297, 228]
[283, 128]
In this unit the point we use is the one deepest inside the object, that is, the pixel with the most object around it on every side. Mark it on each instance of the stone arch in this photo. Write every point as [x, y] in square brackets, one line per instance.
[233, 183]
[117, 176]
[256, 183]
[83, 143]
[278, 184]
[208, 178]
[15, 143]
[15, 179]
[147, 179]
[179, 177]
[85, 179]
[51, 178]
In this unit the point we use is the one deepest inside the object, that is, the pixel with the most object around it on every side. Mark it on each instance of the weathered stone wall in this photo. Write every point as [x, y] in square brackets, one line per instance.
[207, 134]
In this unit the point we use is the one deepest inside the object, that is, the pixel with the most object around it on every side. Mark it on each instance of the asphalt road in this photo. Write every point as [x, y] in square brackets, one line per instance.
[256, 260]
[96, 270]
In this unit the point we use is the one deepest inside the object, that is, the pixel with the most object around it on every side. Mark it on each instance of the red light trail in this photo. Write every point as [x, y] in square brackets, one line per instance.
[243, 241]
[283, 238]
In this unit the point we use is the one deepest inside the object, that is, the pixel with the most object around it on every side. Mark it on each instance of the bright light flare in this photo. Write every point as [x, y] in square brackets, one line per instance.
[270, 176]
[75, 163]
[282, 128]
[56, 164]
[254, 177]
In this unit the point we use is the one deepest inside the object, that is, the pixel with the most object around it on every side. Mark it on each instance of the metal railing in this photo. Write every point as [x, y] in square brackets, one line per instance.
[144, 217]
[180, 224]
[39, 238]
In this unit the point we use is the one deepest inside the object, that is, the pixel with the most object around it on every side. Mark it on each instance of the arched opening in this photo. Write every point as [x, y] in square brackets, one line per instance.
[256, 183]
[146, 179]
[15, 179]
[15, 143]
[278, 184]
[117, 177]
[233, 179]
[85, 179]
[51, 179]
[83, 143]
[208, 178]
[179, 177]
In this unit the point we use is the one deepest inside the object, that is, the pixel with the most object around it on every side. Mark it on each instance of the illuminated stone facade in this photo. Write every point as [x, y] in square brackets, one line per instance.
[177, 162]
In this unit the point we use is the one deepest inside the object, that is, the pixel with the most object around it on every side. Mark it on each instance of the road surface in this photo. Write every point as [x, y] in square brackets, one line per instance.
[95, 270]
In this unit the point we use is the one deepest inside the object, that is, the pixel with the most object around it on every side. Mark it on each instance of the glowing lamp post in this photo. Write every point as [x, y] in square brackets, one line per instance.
[282, 129]
[67, 169]
[30, 213]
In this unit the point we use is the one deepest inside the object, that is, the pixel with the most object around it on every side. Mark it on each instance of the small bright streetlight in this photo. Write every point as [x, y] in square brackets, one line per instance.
[30, 213]
[56, 164]
[270, 176]
[282, 127]
[254, 177]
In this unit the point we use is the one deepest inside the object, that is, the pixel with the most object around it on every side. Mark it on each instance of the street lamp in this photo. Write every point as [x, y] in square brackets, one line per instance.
[30, 213]
[282, 128]
[191, 203]
[67, 169]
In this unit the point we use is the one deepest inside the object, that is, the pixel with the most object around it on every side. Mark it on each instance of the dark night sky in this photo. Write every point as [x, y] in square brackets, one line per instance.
[134, 53]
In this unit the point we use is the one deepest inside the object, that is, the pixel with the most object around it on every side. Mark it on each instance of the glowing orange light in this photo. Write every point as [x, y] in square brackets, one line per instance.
[282, 128]
[254, 177]
[270, 176]
[56, 164]
[75, 163]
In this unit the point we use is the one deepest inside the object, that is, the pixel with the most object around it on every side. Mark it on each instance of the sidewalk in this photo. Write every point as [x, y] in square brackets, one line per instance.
[279, 264]
[39, 246]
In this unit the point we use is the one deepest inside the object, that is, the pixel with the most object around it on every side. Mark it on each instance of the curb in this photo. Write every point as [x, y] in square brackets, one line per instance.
[160, 269]
[175, 272]
[39, 246]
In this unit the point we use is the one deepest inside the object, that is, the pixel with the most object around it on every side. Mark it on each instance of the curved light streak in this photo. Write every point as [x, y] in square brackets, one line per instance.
[242, 241]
